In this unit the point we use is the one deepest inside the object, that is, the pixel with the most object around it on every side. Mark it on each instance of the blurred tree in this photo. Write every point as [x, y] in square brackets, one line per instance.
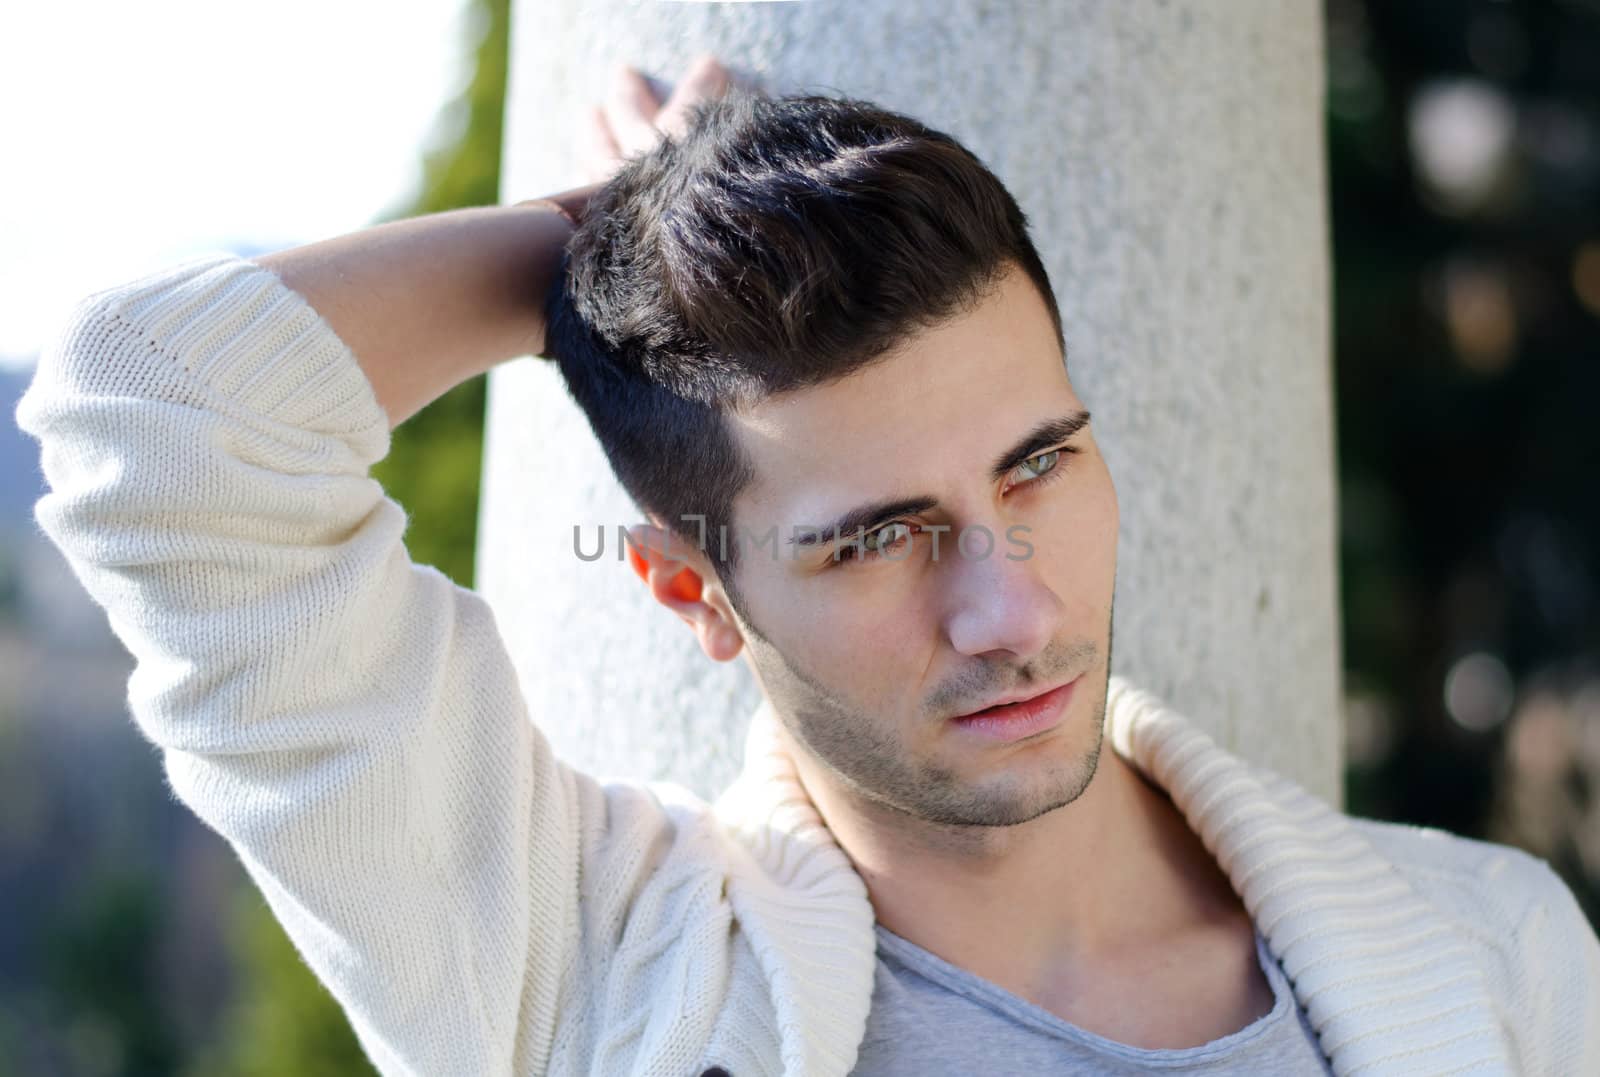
[100, 968]
[1464, 153]
[436, 457]
[9, 584]
[283, 1021]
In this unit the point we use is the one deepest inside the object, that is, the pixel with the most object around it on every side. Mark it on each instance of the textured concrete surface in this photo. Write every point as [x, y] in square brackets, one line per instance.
[1169, 155]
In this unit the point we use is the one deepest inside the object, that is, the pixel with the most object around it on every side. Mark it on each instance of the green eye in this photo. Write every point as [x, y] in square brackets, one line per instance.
[1040, 464]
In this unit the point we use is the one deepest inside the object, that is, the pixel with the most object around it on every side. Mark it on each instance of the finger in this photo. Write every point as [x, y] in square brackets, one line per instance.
[706, 80]
[599, 152]
[631, 110]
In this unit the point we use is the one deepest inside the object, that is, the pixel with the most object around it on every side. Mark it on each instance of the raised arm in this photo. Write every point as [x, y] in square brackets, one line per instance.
[429, 302]
[349, 721]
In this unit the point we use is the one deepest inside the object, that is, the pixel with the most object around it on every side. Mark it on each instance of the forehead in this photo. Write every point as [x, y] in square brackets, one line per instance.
[934, 412]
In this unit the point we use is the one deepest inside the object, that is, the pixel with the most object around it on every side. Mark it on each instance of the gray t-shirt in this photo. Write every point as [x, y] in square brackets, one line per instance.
[930, 1018]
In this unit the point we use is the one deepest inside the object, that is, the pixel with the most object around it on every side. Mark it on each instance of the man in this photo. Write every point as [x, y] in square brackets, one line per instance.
[804, 314]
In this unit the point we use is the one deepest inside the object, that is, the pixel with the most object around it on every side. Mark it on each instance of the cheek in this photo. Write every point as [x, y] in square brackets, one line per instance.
[872, 637]
[1074, 540]
[867, 639]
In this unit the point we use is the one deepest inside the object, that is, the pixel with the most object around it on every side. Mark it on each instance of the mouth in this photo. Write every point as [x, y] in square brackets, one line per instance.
[1013, 717]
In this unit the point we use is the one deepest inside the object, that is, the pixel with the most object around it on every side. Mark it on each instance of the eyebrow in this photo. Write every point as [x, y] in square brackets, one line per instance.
[865, 518]
[1046, 435]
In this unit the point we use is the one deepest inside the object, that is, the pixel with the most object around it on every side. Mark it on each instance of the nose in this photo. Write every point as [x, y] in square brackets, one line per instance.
[999, 606]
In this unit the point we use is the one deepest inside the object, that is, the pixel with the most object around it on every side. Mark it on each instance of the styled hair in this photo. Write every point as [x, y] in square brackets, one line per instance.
[779, 244]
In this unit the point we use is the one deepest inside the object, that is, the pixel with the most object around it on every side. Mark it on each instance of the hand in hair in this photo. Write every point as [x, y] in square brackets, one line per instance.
[634, 118]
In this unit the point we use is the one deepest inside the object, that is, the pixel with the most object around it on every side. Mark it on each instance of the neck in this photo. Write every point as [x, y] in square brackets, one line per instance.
[1111, 873]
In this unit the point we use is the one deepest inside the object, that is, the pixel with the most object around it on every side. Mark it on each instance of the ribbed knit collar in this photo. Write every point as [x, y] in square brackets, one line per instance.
[1389, 988]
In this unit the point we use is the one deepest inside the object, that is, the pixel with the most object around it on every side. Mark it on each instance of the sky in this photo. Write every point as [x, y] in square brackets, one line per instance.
[135, 134]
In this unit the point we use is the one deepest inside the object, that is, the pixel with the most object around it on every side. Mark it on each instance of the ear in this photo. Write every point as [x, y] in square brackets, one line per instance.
[676, 575]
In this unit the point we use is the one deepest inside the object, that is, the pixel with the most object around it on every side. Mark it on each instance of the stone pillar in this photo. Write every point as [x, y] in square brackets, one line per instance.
[1170, 156]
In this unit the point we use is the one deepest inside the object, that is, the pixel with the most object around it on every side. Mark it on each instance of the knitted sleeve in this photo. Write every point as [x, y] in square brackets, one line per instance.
[350, 722]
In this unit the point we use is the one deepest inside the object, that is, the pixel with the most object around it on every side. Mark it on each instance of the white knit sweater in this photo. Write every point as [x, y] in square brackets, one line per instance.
[351, 724]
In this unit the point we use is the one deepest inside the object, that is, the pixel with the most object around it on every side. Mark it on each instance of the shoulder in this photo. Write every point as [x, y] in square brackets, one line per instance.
[1499, 896]
[1480, 880]
[1537, 949]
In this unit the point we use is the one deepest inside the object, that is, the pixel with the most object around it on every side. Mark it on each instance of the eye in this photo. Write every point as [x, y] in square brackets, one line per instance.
[1040, 464]
[886, 540]
[1046, 464]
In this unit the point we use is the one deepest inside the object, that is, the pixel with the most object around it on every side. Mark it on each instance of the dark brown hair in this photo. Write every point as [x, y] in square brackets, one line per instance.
[780, 244]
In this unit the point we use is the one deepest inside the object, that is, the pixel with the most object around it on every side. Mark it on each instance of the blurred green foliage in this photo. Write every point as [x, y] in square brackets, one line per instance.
[1464, 169]
[101, 976]
[8, 584]
[100, 952]
[281, 1019]
[435, 458]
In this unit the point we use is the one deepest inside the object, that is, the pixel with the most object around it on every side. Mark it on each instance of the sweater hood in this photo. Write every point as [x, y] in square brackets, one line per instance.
[1373, 963]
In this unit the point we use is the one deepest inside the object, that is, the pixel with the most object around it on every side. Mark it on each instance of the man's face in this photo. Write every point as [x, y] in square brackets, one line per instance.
[867, 658]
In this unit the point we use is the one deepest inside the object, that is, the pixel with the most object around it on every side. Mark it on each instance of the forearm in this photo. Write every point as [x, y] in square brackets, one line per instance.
[427, 303]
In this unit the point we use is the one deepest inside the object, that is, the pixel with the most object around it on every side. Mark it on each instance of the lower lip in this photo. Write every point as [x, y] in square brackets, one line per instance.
[1017, 720]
